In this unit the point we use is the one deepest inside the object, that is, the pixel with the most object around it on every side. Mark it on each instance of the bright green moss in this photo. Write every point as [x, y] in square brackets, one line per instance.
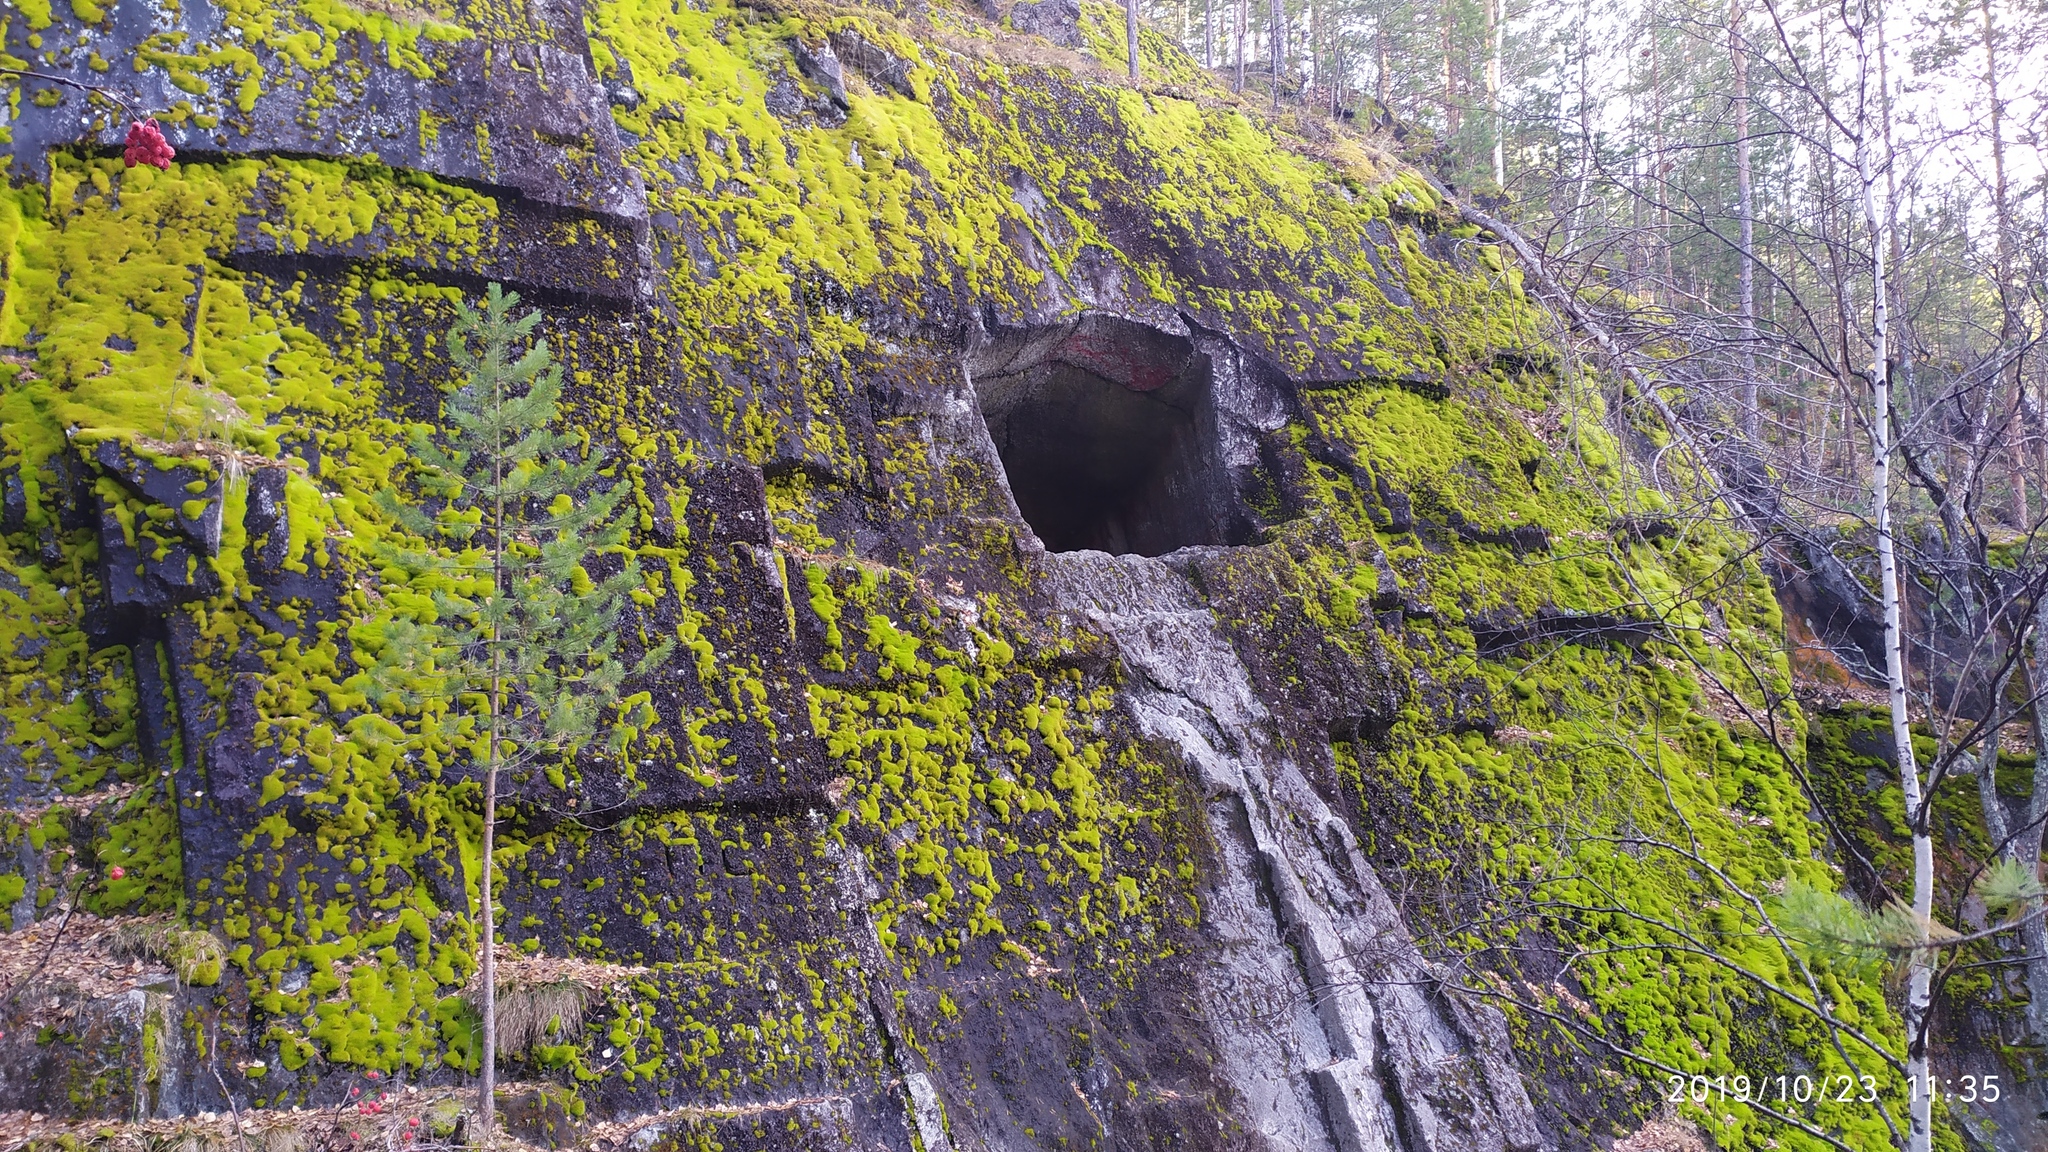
[1002, 804]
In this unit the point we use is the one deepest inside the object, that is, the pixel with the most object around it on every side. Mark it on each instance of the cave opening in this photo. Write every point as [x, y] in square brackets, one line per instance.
[1107, 437]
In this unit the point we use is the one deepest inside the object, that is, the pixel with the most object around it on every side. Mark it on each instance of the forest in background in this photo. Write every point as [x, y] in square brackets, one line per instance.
[1700, 160]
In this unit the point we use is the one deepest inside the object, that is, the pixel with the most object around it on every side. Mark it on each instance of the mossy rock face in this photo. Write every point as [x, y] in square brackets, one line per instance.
[926, 835]
[545, 1117]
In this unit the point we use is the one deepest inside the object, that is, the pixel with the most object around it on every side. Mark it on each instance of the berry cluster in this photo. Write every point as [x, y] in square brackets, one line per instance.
[376, 1103]
[146, 145]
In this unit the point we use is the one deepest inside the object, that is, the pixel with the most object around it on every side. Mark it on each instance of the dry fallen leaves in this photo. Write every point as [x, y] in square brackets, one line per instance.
[83, 962]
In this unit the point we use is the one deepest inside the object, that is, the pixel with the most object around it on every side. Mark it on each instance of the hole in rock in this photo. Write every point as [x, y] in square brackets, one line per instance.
[1107, 435]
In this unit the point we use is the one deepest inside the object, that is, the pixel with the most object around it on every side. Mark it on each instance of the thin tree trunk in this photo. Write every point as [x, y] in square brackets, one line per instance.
[1827, 423]
[1575, 222]
[1381, 92]
[2000, 205]
[1633, 249]
[1995, 825]
[487, 1086]
[1209, 34]
[1452, 118]
[1902, 319]
[2002, 222]
[1237, 32]
[1315, 53]
[1858, 483]
[1919, 971]
[1659, 166]
[1496, 38]
[1131, 34]
[1276, 34]
[2027, 850]
[1752, 417]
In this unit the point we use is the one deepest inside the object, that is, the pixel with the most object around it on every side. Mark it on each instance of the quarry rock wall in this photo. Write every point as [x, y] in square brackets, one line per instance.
[1138, 571]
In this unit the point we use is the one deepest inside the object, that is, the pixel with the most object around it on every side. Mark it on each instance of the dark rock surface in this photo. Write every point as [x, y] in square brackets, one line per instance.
[945, 826]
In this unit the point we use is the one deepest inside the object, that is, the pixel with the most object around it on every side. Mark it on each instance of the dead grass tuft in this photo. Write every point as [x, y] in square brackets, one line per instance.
[195, 955]
[550, 1012]
[545, 997]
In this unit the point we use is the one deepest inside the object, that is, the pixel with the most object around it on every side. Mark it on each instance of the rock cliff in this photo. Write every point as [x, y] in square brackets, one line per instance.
[1165, 653]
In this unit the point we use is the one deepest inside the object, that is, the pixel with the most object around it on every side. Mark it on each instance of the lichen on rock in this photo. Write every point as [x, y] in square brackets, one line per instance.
[926, 834]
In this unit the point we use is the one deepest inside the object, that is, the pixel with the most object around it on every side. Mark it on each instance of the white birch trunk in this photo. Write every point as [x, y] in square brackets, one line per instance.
[1496, 22]
[1919, 970]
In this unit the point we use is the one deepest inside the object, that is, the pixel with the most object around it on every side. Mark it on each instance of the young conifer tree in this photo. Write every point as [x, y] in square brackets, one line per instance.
[517, 663]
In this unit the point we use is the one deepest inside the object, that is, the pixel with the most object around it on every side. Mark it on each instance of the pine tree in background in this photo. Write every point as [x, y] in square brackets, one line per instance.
[513, 656]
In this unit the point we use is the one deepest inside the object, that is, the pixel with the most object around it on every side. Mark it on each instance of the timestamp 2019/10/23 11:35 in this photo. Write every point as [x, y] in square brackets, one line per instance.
[1804, 1089]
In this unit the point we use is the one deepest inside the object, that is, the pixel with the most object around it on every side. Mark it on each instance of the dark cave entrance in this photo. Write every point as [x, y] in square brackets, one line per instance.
[1107, 435]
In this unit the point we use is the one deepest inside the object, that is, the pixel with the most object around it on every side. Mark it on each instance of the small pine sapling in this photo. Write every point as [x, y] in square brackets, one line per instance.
[518, 661]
